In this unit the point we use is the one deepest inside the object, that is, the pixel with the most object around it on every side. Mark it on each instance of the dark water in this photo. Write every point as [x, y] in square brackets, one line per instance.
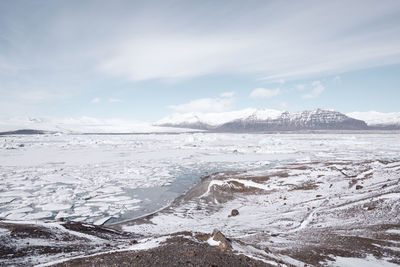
[157, 198]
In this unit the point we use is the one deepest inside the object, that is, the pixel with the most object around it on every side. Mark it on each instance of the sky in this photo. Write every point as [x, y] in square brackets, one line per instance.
[143, 60]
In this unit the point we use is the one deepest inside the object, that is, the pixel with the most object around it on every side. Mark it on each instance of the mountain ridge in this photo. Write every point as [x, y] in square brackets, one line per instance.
[259, 120]
[246, 120]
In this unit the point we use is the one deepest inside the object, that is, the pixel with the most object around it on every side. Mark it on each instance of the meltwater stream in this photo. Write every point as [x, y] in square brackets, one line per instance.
[112, 178]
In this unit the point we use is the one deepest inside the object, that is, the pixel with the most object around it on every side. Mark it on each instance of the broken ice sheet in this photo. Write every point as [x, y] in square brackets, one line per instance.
[90, 177]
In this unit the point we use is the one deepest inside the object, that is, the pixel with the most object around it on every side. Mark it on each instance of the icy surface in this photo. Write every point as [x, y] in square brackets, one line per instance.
[108, 178]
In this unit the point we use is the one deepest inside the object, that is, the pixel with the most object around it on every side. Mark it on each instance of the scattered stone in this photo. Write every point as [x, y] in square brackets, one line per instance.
[234, 212]
[358, 187]
[318, 196]
[224, 243]
[203, 237]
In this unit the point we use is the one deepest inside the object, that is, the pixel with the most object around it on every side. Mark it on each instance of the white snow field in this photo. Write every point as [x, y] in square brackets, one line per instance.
[377, 118]
[108, 178]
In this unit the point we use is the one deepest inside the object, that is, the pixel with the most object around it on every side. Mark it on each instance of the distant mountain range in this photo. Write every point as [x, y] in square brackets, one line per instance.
[30, 125]
[262, 120]
[246, 120]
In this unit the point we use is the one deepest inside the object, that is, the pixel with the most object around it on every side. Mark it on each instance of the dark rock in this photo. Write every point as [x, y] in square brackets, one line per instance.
[203, 237]
[234, 212]
[224, 243]
[358, 187]
[23, 132]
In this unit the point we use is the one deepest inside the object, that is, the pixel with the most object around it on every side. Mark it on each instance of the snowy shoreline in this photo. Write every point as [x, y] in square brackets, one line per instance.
[284, 214]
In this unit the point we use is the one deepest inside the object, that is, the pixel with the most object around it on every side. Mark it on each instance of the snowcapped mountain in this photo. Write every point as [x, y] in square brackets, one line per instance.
[307, 120]
[378, 120]
[210, 121]
[253, 120]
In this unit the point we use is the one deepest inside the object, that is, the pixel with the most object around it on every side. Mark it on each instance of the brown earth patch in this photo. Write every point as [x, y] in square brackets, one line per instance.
[176, 251]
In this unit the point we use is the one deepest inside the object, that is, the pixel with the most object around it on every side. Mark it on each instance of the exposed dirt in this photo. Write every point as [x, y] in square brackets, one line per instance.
[176, 251]
[22, 241]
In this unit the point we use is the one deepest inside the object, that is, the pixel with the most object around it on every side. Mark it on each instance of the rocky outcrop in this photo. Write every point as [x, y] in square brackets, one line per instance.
[307, 120]
[224, 243]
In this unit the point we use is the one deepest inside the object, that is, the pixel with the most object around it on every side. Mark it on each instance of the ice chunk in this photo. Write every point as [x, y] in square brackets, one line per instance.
[102, 220]
[38, 215]
[56, 206]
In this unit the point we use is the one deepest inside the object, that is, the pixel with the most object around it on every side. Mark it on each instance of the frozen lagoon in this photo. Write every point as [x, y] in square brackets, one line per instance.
[110, 178]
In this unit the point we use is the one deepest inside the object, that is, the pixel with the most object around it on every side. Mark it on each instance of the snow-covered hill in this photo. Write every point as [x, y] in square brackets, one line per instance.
[378, 119]
[82, 125]
[250, 120]
[197, 120]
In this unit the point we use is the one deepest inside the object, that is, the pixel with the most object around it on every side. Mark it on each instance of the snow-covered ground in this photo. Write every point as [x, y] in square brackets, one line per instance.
[93, 178]
[322, 213]
[320, 199]
[83, 125]
[377, 118]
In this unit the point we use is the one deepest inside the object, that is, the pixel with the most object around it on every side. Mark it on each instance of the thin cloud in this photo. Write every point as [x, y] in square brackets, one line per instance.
[274, 50]
[227, 94]
[205, 105]
[317, 89]
[264, 93]
[282, 104]
[114, 100]
[337, 79]
[95, 100]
